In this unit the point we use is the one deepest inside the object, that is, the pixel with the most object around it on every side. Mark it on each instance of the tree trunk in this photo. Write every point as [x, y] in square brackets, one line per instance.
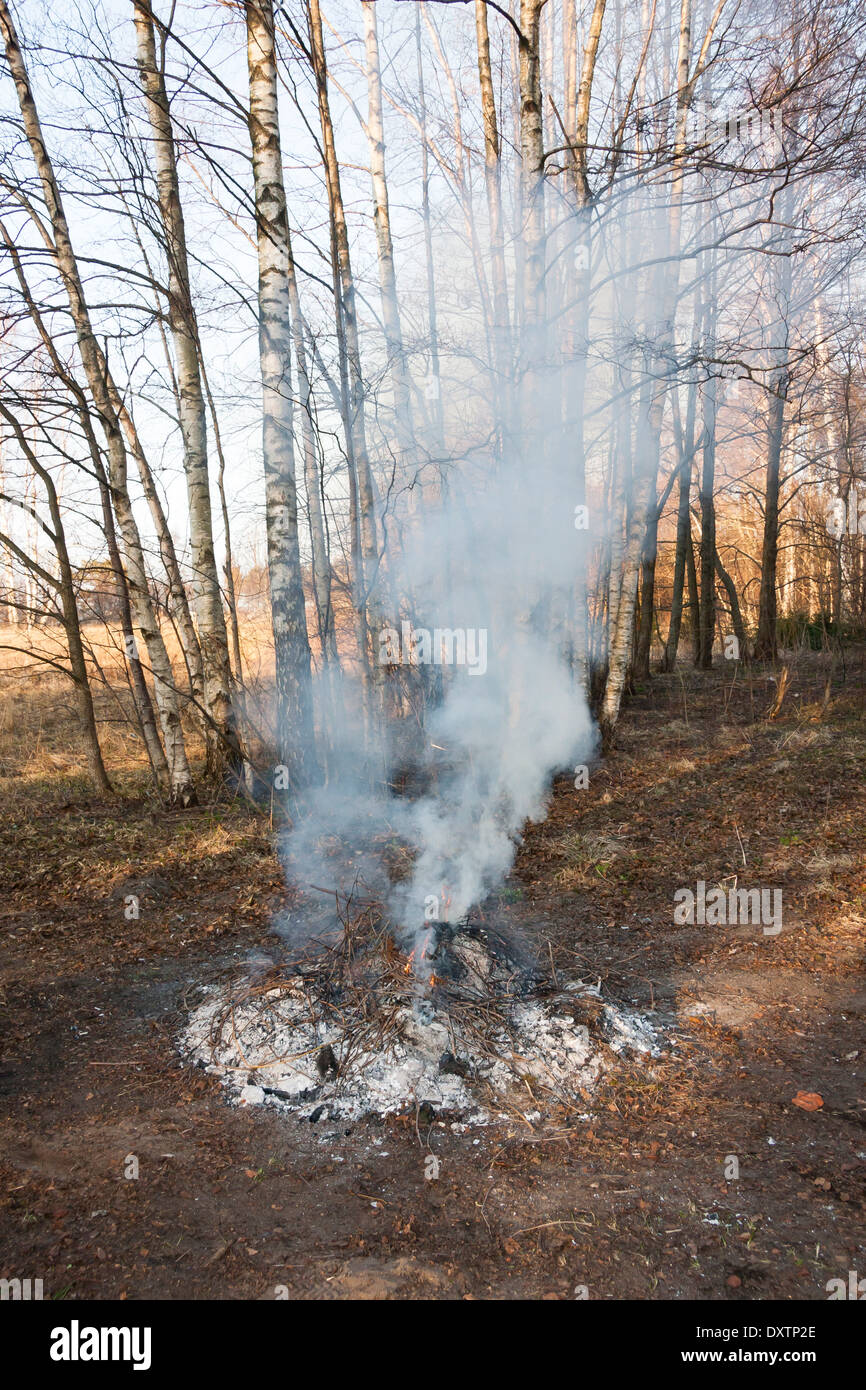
[686, 449]
[291, 645]
[641, 498]
[223, 749]
[647, 597]
[364, 537]
[694, 598]
[535, 419]
[779, 382]
[398, 364]
[228, 567]
[707, 612]
[434, 389]
[660, 315]
[321, 561]
[577, 113]
[141, 697]
[669, 658]
[765, 642]
[181, 784]
[178, 601]
[579, 159]
[736, 613]
[347, 307]
[493, 186]
[69, 610]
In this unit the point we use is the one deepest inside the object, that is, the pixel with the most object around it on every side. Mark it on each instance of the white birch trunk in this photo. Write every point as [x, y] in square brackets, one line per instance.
[291, 644]
[222, 739]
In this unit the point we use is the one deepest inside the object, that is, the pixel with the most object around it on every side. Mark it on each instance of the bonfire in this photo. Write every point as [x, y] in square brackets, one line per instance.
[466, 1027]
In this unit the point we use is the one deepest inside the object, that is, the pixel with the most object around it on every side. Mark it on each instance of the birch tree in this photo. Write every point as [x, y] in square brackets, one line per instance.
[223, 750]
[364, 547]
[397, 360]
[291, 644]
[60, 244]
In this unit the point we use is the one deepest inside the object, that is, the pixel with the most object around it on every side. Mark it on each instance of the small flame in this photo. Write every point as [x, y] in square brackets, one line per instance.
[410, 959]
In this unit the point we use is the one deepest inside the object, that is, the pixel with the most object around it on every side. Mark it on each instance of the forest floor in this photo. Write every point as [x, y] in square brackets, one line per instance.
[638, 1201]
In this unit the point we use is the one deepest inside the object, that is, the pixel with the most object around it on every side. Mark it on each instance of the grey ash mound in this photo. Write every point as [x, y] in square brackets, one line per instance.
[463, 1029]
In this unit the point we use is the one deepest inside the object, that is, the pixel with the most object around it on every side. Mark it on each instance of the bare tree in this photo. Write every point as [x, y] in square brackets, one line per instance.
[63, 587]
[181, 784]
[291, 644]
[223, 749]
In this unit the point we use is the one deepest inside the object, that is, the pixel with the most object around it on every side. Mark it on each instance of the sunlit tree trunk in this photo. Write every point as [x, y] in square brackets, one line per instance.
[777, 390]
[221, 731]
[397, 361]
[321, 561]
[493, 186]
[364, 547]
[781, 271]
[577, 106]
[694, 597]
[685, 442]
[534, 422]
[291, 644]
[228, 569]
[707, 611]
[347, 305]
[434, 386]
[766, 641]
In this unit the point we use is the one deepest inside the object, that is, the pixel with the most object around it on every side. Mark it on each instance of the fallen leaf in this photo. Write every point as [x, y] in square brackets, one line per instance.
[808, 1100]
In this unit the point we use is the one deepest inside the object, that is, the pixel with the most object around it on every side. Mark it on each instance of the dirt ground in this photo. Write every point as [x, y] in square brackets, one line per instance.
[638, 1201]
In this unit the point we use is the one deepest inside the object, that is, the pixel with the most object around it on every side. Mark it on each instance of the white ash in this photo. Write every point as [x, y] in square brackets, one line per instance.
[269, 1049]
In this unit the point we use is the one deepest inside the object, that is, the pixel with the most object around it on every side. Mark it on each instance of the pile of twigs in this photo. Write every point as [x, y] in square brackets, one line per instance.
[359, 981]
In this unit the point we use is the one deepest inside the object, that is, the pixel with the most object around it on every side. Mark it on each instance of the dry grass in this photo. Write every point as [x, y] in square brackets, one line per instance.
[587, 858]
[39, 729]
[40, 735]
